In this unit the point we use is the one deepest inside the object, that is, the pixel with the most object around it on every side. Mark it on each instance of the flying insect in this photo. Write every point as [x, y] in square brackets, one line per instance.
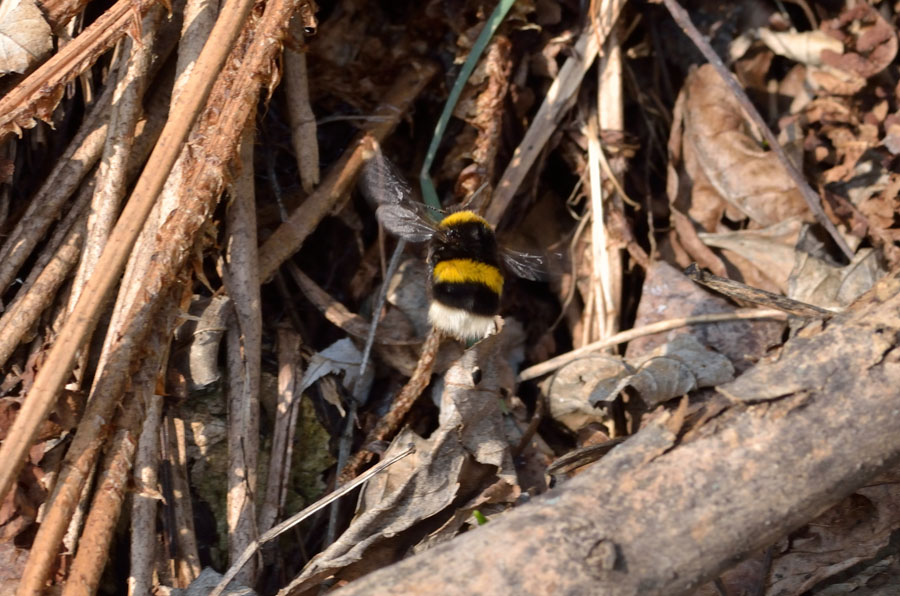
[467, 264]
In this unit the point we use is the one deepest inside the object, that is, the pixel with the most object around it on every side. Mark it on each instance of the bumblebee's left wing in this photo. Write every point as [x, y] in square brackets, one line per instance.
[404, 222]
[397, 211]
[381, 183]
[526, 265]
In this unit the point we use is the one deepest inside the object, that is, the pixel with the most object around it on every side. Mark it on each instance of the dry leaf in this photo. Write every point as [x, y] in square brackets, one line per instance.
[564, 390]
[196, 356]
[668, 294]
[835, 81]
[341, 356]
[853, 531]
[466, 454]
[869, 39]
[719, 150]
[675, 368]
[25, 36]
[771, 249]
[805, 47]
[816, 282]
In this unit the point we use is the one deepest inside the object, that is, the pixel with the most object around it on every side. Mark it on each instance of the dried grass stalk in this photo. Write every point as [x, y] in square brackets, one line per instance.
[559, 99]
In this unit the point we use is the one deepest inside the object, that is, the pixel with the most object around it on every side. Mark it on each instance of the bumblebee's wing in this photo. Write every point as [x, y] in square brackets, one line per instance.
[405, 222]
[382, 184]
[397, 210]
[526, 265]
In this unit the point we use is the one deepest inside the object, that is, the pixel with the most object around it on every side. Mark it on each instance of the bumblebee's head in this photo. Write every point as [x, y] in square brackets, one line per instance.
[467, 230]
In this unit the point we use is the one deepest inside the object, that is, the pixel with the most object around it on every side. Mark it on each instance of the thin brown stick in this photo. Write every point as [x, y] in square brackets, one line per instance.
[739, 291]
[606, 271]
[683, 20]
[486, 115]
[187, 565]
[112, 174]
[93, 546]
[59, 12]
[289, 375]
[607, 116]
[388, 425]
[145, 500]
[300, 114]
[335, 188]
[244, 353]
[340, 315]
[548, 366]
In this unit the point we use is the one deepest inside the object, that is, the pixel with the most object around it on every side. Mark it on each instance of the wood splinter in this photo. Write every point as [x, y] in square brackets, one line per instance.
[738, 291]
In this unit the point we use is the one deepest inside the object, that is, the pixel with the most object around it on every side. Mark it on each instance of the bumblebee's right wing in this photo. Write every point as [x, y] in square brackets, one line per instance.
[535, 267]
[397, 211]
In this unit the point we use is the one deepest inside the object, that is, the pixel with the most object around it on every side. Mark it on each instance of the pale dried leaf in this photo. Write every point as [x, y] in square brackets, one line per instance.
[804, 47]
[770, 249]
[341, 356]
[497, 496]
[816, 282]
[835, 81]
[564, 390]
[675, 368]
[25, 35]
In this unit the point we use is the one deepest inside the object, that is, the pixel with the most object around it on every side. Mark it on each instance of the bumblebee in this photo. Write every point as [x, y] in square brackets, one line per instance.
[464, 258]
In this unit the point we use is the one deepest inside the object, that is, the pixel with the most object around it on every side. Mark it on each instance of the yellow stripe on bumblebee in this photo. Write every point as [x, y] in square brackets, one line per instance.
[461, 217]
[469, 271]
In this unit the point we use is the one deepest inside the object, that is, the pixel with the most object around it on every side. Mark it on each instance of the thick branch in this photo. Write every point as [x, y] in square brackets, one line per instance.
[663, 513]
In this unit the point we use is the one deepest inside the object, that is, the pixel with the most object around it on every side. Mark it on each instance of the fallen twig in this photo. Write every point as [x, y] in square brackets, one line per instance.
[390, 422]
[548, 366]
